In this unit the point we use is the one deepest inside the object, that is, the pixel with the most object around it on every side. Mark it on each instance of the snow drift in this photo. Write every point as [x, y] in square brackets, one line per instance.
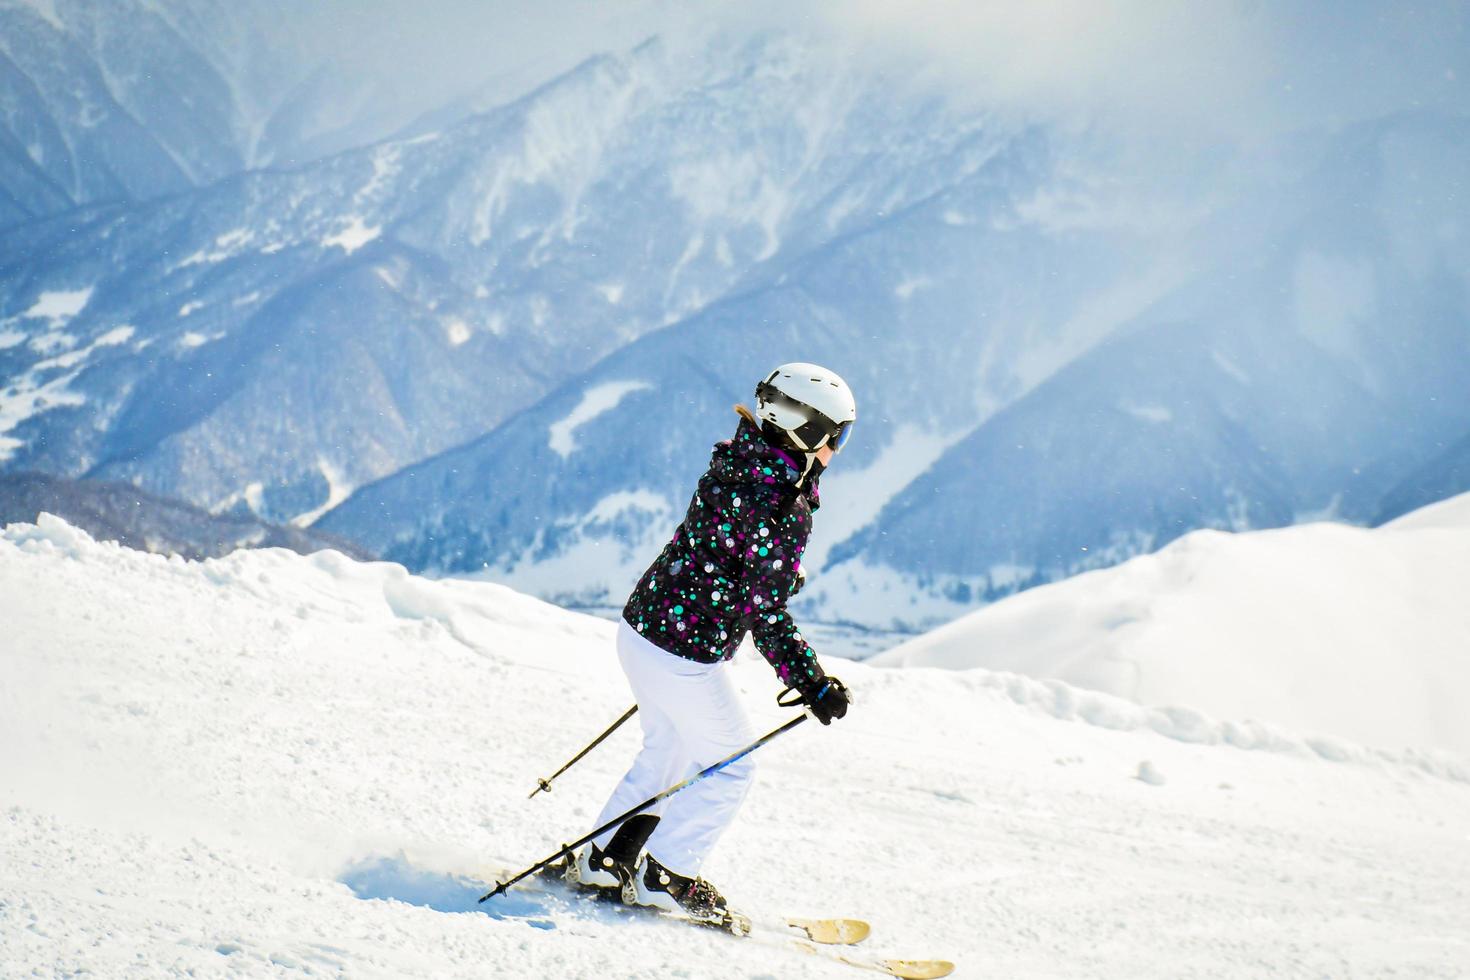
[1357, 633]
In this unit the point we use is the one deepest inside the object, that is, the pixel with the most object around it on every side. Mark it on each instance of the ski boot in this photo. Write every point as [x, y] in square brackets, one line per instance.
[595, 868]
[655, 886]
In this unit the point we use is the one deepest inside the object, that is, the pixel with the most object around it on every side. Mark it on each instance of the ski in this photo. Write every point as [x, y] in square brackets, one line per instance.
[907, 969]
[824, 932]
[837, 936]
[819, 932]
[830, 939]
[836, 950]
[832, 932]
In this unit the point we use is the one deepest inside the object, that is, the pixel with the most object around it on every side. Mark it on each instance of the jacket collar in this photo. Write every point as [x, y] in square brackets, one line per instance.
[750, 458]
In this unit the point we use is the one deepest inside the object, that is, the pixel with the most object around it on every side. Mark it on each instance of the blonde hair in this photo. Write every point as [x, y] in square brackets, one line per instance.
[747, 414]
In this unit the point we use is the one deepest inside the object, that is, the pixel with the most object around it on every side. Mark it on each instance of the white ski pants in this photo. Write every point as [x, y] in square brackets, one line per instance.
[692, 718]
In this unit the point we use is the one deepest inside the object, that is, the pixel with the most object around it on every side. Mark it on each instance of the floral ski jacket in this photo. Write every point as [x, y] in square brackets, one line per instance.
[734, 562]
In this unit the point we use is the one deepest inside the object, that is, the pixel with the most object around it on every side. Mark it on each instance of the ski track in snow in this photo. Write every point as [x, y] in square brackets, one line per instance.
[274, 766]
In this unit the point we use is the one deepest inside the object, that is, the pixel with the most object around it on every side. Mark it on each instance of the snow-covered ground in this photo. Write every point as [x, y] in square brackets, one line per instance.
[1356, 633]
[272, 765]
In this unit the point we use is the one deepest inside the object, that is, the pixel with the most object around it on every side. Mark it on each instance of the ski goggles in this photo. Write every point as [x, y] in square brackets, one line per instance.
[817, 431]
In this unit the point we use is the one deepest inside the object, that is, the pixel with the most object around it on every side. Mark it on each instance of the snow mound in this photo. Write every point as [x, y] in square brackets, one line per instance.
[1352, 633]
[275, 764]
[1453, 514]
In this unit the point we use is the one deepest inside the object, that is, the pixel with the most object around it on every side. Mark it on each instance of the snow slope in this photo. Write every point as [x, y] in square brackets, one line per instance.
[1356, 633]
[1452, 513]
[276, 765]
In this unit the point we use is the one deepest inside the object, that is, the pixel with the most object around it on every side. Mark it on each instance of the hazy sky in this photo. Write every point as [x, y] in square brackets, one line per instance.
[440, 48]
[1231, 66]
[1231, 69]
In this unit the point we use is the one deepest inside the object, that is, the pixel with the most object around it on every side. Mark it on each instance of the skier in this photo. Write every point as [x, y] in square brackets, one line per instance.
[731, 567]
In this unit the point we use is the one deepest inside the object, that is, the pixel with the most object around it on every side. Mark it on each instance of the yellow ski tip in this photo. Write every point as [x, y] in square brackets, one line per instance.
[833, 932]
[919, 969]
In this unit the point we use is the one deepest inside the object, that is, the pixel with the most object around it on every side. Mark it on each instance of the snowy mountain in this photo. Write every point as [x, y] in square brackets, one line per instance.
[1301, 379]
[573, 495]
[126, 100]
[285, 336]
[344, 751]
[1226, 389]
[130, 100]
[123, 513]
[1355, 633]
[503, 339]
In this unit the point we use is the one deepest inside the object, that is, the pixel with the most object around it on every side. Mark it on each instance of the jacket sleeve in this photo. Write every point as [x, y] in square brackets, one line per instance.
[774, 539]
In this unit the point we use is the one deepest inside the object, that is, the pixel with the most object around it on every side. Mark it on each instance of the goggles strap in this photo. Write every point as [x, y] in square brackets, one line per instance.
[817, 431]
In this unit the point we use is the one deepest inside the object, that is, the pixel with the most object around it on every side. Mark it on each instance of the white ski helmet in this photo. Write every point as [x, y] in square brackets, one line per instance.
[809, 406]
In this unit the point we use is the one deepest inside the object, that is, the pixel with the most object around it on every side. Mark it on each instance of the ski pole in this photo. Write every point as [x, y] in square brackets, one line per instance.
[546, 783]
[501, 886]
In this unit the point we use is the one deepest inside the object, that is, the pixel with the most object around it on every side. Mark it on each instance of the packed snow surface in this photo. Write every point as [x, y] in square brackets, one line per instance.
[271, 765]
[1355, 633]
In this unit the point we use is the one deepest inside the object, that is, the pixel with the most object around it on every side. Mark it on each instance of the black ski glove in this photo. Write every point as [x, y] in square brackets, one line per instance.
[827, 700]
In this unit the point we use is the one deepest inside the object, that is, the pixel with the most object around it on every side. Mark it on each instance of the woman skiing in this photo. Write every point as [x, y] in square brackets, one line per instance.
[731, 567]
